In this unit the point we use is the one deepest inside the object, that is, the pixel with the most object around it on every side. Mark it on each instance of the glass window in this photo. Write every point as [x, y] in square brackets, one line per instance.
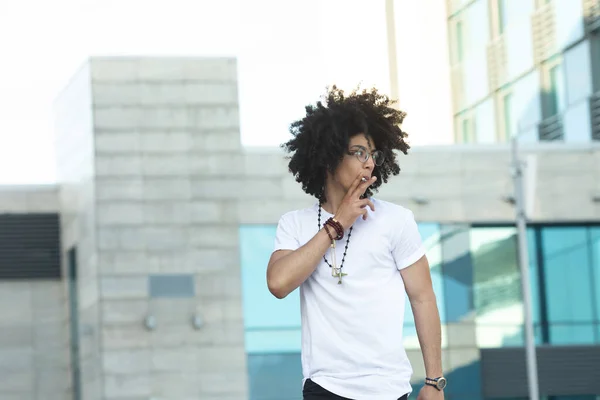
[466, 129]
[275, 376]
[568, 282]
[430, 234]
[506, 108]
[502, 16]
[272, 325]
[459, 42]
[556, 95]
[594, 233]
[496, 287]
[532, 247]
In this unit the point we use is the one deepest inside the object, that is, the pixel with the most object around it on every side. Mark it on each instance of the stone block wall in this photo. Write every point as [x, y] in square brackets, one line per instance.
[34, 346]
[167, 151]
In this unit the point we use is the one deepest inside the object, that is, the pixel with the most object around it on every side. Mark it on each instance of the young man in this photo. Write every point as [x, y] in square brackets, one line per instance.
[354, 257]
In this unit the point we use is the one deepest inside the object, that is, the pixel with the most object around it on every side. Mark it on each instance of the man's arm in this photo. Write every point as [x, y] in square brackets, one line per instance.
[417, 280]
[287, 269]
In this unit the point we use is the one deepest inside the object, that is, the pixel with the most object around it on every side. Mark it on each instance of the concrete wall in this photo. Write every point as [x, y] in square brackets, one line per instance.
[165, 132]
[75, 174]
[34, 357]
[457, 184]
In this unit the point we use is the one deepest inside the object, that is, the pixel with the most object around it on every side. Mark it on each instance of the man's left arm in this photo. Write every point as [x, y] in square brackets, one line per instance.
[417, 280]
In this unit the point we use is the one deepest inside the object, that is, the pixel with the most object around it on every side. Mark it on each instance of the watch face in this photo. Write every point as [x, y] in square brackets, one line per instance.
[441, 383]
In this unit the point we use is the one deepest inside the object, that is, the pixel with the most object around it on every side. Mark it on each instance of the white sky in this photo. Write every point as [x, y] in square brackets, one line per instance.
[288, 51]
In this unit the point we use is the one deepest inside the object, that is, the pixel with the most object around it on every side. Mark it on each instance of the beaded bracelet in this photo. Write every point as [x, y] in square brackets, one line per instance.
[337, 226]
[328, 232]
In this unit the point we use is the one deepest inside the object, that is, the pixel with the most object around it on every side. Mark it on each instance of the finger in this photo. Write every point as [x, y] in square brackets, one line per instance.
[365, 215]
[355, 184]
[362, 188]
[366, 202]
[371, 205]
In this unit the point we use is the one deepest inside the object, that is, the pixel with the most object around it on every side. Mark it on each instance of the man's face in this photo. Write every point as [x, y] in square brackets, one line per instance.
[359, 158]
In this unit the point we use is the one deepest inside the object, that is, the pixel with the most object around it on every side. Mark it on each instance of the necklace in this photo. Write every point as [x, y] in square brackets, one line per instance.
[335, 271]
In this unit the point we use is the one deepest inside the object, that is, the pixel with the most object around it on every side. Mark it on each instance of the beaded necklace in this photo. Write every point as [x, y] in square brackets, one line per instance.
[335, 271]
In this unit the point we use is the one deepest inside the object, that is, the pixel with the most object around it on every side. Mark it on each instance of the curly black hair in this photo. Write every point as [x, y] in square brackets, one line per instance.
[321, 138]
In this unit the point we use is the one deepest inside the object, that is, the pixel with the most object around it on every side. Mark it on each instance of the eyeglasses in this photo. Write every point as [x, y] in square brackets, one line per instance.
[363, 155]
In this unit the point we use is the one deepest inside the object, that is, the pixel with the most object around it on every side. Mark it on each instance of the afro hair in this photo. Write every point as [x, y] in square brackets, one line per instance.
[321, 138]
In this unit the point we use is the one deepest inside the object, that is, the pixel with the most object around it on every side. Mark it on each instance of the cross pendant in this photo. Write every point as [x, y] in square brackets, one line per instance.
[340, 274]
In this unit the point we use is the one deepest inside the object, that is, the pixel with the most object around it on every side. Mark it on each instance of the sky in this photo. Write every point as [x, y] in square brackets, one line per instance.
[288, 52]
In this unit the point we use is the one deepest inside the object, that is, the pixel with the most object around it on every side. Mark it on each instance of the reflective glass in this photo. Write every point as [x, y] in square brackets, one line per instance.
[278, 320]
[496, 287]
[275, 376]
[557, 90]
[595, 247]
[572, 333]
[430, 234]
[567, 274]
[568, 284]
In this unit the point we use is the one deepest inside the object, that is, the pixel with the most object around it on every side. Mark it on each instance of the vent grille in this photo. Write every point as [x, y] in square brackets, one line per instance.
[551, 129]
[544, 32]
[561, 370]
[595, 115]
[29, 246]
[497, 63]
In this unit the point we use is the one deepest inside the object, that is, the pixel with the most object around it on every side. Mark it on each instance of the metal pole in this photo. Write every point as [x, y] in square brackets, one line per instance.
[531, 358]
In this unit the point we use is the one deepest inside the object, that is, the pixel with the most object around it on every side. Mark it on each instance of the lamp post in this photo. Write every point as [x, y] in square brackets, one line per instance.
[521, 217]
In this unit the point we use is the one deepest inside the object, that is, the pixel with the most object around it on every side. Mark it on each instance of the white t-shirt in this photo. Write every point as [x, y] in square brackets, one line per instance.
[352, 333]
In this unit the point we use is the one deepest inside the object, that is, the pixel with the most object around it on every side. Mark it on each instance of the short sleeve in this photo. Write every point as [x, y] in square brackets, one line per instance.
[286, 237]
[407, 246]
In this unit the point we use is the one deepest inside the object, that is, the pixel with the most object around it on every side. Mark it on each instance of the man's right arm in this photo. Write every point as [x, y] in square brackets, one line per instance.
[287, 269]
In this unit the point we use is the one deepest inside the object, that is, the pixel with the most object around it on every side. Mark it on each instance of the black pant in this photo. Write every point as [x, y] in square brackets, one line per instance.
[312, 391]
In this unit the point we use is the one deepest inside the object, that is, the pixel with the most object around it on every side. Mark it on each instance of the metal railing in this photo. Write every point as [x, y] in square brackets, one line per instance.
[497, 63]
[551, 129]
[595, 115]
[591, 15]
[543, 23]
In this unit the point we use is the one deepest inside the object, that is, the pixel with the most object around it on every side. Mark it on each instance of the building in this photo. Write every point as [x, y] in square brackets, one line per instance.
[142, 271]
[529, 68]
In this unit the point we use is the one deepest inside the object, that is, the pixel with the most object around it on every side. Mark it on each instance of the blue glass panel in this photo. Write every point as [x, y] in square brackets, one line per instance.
[430, 234]
[466, 382]
[275, 376]
[497, 287]
[572, 334]
[595, 244]
[272, 325]
[261, 308]
[273, 341]
[532, 247]
[567, 274]
[458, 272]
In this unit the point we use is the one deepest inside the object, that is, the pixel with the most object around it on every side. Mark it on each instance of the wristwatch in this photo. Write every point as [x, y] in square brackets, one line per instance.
[438, 383]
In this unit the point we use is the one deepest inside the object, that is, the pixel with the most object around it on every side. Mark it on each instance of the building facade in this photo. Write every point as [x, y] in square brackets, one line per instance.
[164, 224]
[528, 68]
